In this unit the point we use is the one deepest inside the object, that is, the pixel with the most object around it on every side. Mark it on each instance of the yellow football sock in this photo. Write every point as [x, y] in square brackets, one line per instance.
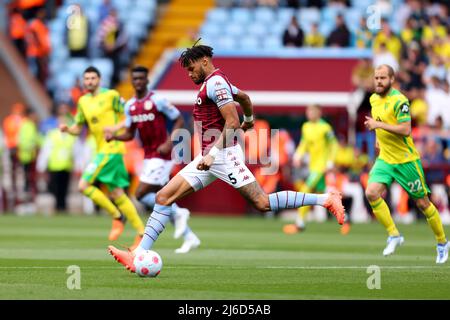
[303, 212]
[434, 220]
[129, 210]
[102, 200]
[381, 211]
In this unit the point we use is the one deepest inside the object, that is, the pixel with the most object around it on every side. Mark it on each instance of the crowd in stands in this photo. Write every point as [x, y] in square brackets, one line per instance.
[61, 37]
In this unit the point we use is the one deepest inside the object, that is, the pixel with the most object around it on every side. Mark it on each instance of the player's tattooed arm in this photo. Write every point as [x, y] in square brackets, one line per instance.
[247, 107]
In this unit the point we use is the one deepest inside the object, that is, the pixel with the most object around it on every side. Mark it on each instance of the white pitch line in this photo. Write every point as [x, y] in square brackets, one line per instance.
[239, 267]
[350, 267]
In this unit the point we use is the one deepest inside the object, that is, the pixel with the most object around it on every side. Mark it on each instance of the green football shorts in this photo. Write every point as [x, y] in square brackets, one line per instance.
[409, 175]
[316, 181]
[108, 169]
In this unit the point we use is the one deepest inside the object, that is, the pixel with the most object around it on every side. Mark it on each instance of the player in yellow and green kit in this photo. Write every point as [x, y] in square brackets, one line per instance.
[97, 109]
[398, 160]
[317, 140]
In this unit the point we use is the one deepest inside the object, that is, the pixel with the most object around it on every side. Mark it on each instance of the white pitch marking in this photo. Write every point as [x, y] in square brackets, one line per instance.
[243, 267]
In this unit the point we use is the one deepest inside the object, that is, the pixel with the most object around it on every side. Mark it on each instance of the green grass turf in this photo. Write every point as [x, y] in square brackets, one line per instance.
[240, 258]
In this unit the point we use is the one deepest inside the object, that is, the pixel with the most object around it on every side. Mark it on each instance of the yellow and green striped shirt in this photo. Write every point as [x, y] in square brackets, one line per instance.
[393, 109]
[319, 141]
[104, 109]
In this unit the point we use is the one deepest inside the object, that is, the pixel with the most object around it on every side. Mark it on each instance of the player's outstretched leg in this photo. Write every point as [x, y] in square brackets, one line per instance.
[290, 199]
[177, 188]
[383, 214]
[179, 218]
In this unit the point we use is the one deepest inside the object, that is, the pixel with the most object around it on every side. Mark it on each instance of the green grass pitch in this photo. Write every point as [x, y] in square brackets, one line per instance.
[240, 258]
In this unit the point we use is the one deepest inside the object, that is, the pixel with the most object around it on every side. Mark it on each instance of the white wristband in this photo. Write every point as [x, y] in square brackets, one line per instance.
[213, 152]
[248, 119]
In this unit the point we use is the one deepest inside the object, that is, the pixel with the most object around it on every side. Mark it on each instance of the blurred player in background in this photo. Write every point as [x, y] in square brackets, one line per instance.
[147, 113]
[97, 109]
[221, 157]
[398, 161]
[319, 142]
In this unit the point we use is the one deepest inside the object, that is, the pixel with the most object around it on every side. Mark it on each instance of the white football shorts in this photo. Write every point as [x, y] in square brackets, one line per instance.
[156, 171]
[229, 166]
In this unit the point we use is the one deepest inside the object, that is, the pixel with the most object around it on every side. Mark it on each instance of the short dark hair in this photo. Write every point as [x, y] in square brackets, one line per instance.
[195, 53]
[92, 69]
[140, 69]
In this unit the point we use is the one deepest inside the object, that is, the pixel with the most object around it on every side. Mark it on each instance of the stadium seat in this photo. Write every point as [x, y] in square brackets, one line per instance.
[361, 4]
[59, 52]
[284, 15]
[310, 15]
[277, 28]
[352, 17]
[235, 29]
[272, 42]
[241, 15]
[146, 5]
[120, 5]
[217, 15]
[265, 15]
[211, 30]
[104, 65]
[76, 66]
[257, 29]
[326, 27]
[330, 13]
[64, 80]
[249, 43]
[135, 30]
[225, 43]
[144, 17]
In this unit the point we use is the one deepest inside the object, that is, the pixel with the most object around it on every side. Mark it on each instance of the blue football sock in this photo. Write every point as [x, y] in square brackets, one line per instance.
[155, 225]
[292, 200]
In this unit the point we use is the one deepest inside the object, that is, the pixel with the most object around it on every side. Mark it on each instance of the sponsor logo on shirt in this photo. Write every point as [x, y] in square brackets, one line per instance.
[143, 117]
[222, 94]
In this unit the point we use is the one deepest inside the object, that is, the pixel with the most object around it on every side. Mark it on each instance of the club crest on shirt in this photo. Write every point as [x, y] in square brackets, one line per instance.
[148, 105]
[132, 108]
[405, 108]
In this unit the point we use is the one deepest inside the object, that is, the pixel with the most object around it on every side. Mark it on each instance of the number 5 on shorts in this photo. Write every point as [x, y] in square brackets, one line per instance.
[232, 179]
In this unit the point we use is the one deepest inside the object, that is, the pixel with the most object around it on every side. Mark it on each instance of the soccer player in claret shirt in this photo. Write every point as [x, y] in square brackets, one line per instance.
[398, 161]
[98, 109]
[147, 113]
[215, 109]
